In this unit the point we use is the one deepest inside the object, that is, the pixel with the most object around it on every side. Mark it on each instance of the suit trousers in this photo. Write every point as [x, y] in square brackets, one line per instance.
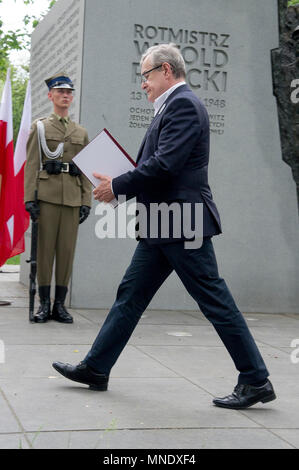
[57, 236]
[198, 271]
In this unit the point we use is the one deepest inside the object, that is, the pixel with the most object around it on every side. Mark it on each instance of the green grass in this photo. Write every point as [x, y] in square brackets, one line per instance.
[15, 260]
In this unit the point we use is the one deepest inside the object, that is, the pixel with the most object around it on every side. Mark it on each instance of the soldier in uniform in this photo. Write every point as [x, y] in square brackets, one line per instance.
[63, 195]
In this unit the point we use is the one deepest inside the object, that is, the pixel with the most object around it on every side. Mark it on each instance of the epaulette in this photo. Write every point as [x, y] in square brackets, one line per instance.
[34, 123]
[39, 119]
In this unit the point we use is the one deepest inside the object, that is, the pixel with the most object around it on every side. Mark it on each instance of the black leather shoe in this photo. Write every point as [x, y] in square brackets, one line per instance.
[245, 395]
[43, 313]
[84, 374]
[59, 312]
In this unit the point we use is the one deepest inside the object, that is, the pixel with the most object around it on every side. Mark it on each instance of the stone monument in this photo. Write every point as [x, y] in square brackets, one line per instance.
[228, 56]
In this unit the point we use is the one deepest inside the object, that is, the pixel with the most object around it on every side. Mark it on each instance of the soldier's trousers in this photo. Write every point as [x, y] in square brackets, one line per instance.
[57, 236]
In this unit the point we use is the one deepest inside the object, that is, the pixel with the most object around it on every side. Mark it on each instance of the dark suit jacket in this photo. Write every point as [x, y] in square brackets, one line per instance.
[172, 162]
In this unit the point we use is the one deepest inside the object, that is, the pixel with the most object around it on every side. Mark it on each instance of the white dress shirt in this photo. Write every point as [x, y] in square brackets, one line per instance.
[158, 103]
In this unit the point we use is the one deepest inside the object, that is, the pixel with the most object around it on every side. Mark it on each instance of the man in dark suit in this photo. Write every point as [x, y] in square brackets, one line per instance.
[172, 167]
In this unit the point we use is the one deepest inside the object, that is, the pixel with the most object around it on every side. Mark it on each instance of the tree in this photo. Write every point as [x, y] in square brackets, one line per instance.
[18, 87]
[17, 40]
[33, 19]
[11, 41]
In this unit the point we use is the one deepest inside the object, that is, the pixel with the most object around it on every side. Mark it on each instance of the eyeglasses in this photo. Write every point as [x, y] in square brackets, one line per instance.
[144, 77]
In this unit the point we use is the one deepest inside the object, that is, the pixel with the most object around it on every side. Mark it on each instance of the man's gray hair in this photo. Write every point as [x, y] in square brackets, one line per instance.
[166, 53]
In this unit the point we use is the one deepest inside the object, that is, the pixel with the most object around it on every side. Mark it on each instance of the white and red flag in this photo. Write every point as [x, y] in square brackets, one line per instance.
[14, 220]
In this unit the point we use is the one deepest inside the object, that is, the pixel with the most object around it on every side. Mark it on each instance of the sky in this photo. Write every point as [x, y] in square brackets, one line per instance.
[12, 13]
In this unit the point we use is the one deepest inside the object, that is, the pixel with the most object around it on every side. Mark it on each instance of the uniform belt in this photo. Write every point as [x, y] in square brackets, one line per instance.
[55, 167]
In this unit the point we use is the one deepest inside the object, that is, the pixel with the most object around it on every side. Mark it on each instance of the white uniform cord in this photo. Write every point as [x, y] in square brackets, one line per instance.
[42, 144]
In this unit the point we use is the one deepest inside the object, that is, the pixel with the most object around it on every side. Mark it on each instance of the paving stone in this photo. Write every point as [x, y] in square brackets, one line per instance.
[160, 391]
[162, 439]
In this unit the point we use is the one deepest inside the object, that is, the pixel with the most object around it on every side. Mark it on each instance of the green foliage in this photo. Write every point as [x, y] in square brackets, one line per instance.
[33, 20]
[18, 89]
[19, 83]
[10, 41]
[14, 41]
[293, 2]
[15, 260]
[17, 40]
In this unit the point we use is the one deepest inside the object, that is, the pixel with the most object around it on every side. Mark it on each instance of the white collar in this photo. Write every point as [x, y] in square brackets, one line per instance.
[158, 103]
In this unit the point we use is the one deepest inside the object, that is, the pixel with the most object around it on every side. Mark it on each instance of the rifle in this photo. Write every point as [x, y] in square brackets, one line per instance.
[33, 265]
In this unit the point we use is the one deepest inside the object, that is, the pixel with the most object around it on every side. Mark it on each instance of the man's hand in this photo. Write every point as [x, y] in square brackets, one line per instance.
[103, 192]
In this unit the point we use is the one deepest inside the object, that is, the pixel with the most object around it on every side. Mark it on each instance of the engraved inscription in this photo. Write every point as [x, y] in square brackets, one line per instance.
[206, 55]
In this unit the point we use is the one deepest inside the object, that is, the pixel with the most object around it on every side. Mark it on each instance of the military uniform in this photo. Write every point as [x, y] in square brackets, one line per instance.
[61, 197]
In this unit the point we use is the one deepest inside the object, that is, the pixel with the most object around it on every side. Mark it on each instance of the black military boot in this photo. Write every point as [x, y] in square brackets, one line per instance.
[59, 312]
[43, 313]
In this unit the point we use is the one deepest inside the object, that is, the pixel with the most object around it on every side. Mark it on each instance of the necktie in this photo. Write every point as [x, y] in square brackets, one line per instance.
[64, 121]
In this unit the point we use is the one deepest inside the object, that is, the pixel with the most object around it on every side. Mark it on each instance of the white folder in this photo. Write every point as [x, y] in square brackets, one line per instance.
[106, 156]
